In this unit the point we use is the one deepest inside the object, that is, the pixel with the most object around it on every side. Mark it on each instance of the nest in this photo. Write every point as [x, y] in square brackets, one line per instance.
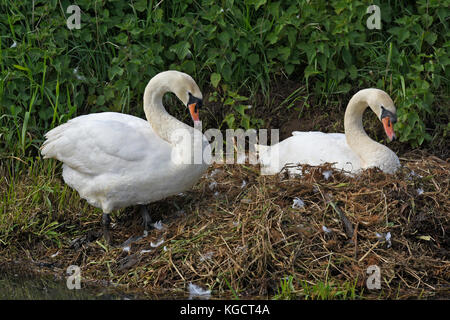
[238, 233]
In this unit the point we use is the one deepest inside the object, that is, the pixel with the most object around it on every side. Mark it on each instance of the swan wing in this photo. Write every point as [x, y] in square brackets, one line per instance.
[104, 142]
[312, 148]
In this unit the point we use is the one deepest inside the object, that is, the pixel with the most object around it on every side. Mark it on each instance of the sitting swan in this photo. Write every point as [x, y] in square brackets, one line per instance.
[115, 160]
[353, 151]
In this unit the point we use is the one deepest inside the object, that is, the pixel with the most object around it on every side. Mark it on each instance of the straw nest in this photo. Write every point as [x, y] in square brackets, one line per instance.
[239, 233]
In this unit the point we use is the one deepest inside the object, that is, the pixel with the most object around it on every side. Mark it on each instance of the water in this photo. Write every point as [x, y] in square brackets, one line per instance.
[14, 286]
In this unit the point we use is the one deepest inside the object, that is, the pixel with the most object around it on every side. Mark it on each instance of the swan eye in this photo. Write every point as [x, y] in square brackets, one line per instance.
[192, 99]
[388, 114]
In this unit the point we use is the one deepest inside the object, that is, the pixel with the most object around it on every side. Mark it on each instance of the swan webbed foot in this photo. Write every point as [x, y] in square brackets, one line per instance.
[146, 219]
[106, 220]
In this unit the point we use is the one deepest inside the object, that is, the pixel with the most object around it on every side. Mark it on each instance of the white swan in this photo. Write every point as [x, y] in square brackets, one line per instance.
[353, 151]
[115, 160]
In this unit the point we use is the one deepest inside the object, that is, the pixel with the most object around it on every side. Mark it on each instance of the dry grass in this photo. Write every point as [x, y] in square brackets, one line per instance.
[242, 240]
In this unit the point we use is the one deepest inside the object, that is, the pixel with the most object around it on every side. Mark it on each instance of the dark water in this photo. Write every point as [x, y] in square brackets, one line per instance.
[15, 286]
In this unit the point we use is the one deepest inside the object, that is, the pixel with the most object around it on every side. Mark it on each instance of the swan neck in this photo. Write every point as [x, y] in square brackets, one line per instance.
[356, 136]
[161, 121]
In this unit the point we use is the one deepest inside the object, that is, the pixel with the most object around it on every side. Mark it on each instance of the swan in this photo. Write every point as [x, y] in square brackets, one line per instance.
[352, 152]
[116, 160]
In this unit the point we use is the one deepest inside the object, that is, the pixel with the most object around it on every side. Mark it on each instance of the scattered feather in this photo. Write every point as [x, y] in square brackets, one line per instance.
[244, 183]
[55, 254]
[419, 191]
[145, 251]
[14, 44]
[297, 203]
[77, 75]
[196, 291]
[212, 185]
[412, 174]
[386, 237]
[326, 230]
[157, 244]
[327, 174]
[206, 256]
[214, 172]
[126, 249]
[158, 225]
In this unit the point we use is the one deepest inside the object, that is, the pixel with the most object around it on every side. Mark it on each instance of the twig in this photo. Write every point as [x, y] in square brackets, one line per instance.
[347, 224]
[365, 255]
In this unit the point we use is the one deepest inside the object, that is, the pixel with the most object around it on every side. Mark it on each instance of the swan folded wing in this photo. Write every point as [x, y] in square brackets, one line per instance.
[95, 146]
[316, 148]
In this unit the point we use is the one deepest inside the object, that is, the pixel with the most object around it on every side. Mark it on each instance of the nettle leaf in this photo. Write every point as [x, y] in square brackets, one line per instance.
[284, 53]
[347, 56]
[113, 71]
[309, 71]
[272, 37]
[224, 37]
[430, 37]
[243, 47]
[188, 66]
[227, 72]
[121, 38]
[401, 33]
[109, 93]
[256, 3]
[181, 49]
[229, 120]
[140, 5]
[289, 68]
[100, 100]
[253, 59]
[353, 72]
[215, 79]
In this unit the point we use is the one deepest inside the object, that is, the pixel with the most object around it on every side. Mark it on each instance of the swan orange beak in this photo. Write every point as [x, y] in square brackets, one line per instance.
[193, 109]
[388, 128]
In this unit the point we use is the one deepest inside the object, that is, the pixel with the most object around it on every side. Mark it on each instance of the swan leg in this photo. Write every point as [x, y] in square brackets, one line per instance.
[147, 220]
[106, 220]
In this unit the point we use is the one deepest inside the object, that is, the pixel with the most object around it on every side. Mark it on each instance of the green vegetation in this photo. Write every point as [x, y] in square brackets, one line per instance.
[49, 74]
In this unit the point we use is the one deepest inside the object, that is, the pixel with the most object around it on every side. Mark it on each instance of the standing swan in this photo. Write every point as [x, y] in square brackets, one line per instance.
[353, 151]
[115, 160]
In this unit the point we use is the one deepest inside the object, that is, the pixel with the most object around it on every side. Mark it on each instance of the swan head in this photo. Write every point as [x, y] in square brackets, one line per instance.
[187, 90]
[181, 84]
[383, 106]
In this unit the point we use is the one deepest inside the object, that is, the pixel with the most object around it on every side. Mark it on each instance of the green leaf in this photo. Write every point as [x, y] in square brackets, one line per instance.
[113, 71]
[430, 37]
[181, 49]
[284, 53]
[215, 79]
[256, 3]
[347, 56]
[229, 120]
[289, 68]
[253, 59]
[101, 100]
[140, 5]
[122, 38]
